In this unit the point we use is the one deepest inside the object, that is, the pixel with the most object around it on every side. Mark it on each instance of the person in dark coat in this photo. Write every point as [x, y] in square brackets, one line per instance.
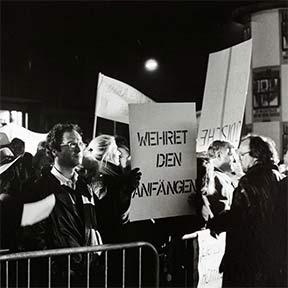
[253, 236]
[13, 212]
[72, 222]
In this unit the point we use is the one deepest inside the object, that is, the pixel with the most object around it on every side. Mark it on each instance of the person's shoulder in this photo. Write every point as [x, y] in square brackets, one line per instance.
[46, 184]
[46, 178]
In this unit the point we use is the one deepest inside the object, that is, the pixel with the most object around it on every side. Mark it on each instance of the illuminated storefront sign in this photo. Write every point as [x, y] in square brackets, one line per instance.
[266, 94]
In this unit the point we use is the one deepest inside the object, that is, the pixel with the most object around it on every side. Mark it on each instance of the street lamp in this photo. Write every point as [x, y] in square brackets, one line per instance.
[151, 65]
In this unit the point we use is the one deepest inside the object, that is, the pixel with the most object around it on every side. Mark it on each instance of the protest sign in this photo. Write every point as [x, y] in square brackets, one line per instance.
[210, 252]
[162, 140]
[113, 97]
[225, 96]
[30, 138]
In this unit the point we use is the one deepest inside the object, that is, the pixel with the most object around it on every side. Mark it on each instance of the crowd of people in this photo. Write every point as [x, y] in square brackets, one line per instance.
[70, 194]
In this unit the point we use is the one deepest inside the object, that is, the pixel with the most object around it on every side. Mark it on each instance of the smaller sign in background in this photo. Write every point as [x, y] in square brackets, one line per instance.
[284, 35]
[266, 94]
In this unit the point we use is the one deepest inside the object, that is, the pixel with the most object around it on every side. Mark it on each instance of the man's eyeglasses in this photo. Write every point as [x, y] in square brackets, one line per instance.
[74, 145]
[241, 154]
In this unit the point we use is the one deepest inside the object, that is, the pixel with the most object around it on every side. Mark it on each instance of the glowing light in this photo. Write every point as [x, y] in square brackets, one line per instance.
[151, 65]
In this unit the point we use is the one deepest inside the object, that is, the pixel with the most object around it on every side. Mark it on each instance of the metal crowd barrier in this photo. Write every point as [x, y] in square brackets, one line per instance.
[191, 276]
[123, 248]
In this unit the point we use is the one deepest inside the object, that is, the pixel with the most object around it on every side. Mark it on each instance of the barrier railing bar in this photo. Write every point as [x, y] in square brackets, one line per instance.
[68, 251]
[157, 267]
[69, 269]
[17, 279]
[7, 274]
[49, 272]
[186, 238]
[123, 268]
[140, 267]
[106, 269]
[74, 250]
[88, 270]
[185, 268]
[28, 271]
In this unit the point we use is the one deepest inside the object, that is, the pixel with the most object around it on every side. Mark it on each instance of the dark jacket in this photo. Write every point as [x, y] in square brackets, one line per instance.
[10, 219]
[112, 209]
[69, 225]
[253, 234]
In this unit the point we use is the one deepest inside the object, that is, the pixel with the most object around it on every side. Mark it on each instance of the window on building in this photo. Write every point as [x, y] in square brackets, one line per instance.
[12, 116]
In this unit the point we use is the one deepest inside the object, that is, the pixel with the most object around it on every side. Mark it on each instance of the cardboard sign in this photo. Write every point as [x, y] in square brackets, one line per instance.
[211, 252]
[162, 141]
[225, 96]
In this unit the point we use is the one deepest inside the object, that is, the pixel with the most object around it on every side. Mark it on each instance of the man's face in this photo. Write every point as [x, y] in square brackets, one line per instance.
[246, 160]
[71, 153]
[223, 159]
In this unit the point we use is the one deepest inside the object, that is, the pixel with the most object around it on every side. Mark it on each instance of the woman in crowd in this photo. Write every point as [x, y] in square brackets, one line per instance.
[112, 186]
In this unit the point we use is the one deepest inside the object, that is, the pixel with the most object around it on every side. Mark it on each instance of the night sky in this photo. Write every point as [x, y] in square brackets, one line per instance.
[52, 52]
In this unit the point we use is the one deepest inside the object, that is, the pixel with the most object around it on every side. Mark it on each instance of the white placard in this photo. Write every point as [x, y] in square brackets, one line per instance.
[211, 252]
[225, 95]
[162, 141]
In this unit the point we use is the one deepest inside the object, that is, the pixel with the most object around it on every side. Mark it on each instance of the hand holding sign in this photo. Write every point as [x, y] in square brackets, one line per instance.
[134, 178]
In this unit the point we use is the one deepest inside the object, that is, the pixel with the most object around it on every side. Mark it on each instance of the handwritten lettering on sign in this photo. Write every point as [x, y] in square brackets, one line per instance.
[229, 132]
[211, 252]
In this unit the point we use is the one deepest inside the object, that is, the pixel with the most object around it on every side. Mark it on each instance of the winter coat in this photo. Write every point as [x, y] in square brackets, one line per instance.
[69, 225]
[113, 201]
[253, 234]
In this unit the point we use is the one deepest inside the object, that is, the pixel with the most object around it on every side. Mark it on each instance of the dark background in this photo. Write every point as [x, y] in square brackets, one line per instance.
[52, 52]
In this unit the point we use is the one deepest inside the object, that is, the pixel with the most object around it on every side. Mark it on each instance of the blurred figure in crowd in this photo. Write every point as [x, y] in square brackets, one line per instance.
[42, 145]
[42, 162]
[223, 170]
[282, 209]
[17, 146]
[253, 241]
[112, 185]
[13, 212]
[72, 222]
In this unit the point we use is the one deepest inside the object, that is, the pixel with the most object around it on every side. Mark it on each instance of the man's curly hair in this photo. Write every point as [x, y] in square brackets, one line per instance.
[55, 136]
[259, 149]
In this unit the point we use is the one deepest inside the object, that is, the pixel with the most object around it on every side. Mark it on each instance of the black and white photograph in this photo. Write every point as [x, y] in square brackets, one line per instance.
[143, 143]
